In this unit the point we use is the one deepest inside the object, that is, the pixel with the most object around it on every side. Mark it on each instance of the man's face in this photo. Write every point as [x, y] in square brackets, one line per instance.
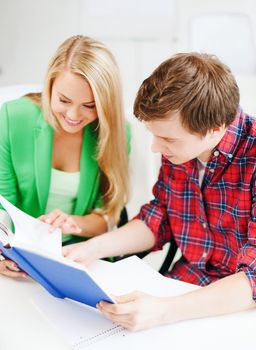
[177, 144]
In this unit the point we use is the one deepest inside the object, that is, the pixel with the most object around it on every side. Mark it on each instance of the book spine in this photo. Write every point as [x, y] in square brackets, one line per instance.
[14, 254]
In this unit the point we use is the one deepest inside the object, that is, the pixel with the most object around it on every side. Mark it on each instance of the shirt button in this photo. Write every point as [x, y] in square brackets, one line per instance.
[211, 170]
[204, 255]
[204, 224]
[230, 155]
[216, 153]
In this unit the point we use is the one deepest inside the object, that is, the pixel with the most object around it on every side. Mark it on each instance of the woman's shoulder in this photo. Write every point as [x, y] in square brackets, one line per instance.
[22, 107]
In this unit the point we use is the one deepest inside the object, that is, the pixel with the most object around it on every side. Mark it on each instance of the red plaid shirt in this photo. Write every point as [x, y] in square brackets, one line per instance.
[213, 225]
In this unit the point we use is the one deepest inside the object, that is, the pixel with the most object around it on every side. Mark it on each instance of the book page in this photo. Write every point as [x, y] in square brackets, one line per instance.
[5, 218]
[32, 232]
[5, 235]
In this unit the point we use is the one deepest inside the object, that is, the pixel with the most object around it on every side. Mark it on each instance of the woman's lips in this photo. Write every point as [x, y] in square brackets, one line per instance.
[72, 122]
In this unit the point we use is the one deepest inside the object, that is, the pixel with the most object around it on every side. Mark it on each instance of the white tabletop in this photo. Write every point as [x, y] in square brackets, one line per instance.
[24, 326]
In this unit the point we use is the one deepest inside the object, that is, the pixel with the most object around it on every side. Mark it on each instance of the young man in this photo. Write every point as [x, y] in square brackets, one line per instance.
[205, 196]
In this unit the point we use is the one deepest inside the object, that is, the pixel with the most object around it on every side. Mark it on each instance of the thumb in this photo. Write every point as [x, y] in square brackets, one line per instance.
[126, 298]
[42, 218]
[66, 250]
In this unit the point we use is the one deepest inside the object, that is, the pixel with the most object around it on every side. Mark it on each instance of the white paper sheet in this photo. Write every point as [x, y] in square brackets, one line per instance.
[32, 232]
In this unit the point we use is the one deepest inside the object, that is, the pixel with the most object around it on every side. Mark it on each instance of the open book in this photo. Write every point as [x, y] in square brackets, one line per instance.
[38, 253]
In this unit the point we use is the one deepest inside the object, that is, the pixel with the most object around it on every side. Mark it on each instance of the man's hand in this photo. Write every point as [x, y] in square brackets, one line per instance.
[136, 311]
[83, 252]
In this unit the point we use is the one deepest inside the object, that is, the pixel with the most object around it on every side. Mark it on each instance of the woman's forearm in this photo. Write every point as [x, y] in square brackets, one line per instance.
[91, 224]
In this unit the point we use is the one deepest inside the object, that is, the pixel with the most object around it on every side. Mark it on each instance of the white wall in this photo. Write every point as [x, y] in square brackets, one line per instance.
[141, 34]
[30, 31]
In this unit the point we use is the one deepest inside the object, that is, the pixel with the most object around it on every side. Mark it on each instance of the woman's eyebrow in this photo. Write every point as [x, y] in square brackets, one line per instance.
[64, 96]
[89, 102]
[83, 103]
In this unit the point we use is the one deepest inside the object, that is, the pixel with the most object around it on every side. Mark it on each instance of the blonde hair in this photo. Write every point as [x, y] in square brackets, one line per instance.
[90, 59]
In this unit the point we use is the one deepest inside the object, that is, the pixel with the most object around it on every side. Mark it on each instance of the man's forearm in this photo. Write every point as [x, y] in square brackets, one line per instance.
[131, 238]
[228, 295]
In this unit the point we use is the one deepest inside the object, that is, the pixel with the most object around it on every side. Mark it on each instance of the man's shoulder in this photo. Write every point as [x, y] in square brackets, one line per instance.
[251, 121]
[243, 134]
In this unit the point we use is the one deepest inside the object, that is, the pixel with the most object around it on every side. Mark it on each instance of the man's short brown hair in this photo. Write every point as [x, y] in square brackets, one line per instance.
[198, 86]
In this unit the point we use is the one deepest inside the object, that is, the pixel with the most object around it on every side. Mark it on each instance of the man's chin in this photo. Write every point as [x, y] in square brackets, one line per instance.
[174, 160]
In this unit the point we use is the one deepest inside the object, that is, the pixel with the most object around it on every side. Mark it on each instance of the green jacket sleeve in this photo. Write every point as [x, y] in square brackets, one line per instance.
[8, 182]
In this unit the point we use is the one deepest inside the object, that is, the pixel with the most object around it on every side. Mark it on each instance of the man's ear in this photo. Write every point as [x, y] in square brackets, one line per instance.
[218, 130]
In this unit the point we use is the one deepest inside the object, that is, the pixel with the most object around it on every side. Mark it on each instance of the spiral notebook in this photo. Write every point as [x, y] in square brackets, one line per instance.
[82, 327]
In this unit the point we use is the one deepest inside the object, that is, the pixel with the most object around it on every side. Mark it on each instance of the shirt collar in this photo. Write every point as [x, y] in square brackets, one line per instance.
[230, 141]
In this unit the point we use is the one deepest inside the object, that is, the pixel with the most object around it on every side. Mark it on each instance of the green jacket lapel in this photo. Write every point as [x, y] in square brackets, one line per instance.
[89, 172]
[43, 161]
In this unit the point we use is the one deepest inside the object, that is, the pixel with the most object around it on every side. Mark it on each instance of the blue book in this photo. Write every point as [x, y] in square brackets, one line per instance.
[60, 276]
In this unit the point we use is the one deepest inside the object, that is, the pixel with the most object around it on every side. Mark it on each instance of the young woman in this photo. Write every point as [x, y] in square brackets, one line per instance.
[64, 153]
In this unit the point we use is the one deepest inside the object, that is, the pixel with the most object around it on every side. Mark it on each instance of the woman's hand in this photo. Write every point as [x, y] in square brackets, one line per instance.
[137, 311]
[59, 219]
[10, 268]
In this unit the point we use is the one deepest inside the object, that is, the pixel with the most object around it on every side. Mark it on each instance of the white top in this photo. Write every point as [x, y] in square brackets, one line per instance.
[201, 168]
[63, 191]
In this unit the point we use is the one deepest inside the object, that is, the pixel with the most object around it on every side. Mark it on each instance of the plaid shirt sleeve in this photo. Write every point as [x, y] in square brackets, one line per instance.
[247, 255]
[154, 214]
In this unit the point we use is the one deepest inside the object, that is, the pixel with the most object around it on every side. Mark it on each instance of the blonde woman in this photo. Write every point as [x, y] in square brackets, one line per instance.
[64, 153]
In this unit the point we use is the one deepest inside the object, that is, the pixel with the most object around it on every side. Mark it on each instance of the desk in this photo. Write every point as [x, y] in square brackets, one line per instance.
[24, 327]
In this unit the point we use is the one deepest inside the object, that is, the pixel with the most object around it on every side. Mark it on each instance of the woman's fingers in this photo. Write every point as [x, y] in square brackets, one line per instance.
[10, 268]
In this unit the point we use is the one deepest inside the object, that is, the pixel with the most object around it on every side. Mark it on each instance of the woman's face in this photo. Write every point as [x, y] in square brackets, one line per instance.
[72, 102]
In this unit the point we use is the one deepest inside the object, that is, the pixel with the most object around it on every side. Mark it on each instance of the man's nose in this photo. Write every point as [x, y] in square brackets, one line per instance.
[155, 146]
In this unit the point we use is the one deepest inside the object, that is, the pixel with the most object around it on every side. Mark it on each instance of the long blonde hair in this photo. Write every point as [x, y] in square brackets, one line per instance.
[94, 62]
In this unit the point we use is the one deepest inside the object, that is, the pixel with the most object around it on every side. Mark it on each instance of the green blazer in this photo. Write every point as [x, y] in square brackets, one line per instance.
[26, 160]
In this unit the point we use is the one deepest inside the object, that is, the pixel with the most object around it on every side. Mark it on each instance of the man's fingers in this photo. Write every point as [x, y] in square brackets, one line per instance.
[123, 319]
[124, 305]
[67, 250]
[126, 298]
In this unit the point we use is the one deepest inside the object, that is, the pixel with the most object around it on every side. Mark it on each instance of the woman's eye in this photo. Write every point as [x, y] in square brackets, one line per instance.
[63, 101]
[90, 107]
